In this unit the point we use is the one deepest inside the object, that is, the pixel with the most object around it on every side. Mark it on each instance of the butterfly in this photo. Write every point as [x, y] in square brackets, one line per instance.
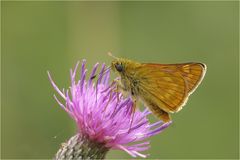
[163, 88]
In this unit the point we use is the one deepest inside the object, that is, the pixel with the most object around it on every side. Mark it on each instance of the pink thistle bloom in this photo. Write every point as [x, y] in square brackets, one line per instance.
[104, 117]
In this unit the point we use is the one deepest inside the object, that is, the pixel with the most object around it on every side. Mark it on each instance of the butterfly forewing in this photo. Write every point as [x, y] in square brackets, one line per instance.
[168, 85]
[193, 74]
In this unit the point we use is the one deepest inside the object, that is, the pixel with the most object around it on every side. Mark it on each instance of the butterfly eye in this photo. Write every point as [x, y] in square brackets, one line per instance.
[119, 67]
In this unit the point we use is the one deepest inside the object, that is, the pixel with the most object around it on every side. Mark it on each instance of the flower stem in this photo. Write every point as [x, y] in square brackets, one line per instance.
[81, 147]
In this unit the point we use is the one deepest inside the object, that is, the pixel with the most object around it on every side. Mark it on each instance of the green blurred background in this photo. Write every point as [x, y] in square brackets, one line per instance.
[41, 36]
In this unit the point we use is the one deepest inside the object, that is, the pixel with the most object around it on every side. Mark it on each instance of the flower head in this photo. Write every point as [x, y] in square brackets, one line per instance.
[103, 115]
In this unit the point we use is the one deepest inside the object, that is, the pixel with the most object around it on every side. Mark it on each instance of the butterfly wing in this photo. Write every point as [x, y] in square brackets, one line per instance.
[193, 74]
[168, 85]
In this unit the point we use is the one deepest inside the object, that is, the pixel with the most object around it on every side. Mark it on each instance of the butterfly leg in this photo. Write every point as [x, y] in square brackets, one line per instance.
[115, 89]
[133, 112]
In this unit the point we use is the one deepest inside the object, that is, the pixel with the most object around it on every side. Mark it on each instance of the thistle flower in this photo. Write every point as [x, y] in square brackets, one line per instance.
[103, 118]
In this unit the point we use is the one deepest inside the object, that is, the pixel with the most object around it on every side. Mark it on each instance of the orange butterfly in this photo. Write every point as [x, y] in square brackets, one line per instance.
[164, 88]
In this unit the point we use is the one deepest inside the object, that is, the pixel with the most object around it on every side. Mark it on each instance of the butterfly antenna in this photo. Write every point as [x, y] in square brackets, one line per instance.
[104, 72]
[94, 76]
[110, 54]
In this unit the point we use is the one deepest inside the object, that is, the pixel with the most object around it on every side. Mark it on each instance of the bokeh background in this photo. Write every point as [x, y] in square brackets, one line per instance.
[41, 36]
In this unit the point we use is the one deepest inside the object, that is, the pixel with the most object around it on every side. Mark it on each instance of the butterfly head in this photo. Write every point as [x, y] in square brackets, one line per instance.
[117, 65]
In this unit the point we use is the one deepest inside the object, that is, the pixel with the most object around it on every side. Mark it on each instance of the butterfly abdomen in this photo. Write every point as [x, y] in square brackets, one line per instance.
[159, 113]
